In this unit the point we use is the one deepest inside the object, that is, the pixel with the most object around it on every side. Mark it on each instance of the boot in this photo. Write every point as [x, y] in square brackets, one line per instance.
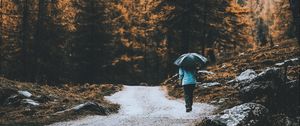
[188, 109]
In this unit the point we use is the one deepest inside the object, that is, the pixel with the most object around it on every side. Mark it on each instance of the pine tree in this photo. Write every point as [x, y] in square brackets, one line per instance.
[89, 50]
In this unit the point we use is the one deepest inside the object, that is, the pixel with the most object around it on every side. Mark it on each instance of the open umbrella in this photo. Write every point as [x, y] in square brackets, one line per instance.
[190, 59]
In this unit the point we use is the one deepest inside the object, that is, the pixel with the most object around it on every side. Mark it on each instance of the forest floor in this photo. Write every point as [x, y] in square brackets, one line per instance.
[147, 106]
[32, 104]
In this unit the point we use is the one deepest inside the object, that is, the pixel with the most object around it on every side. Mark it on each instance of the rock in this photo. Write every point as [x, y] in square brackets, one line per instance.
[205, 72]
[87, 106]
[222, 100]
[43, 98]
[294, 61]
[213, 102]
[210, 122]
[212, 84]
[247, 75]
[53, 96]
[270, 89]
[270, 73]
[283, 120]
[247, 114]
[223, 65]
[2, 114]
[288, 97]
[280, 64]
[267, 62]
[143, 84]
[264, 85]
[29, 111]
[30, 102]
[256, 89]
[17, 98]
[6, 93]
[241, 54]
[91, 106]
[14, 100]
[25, 93]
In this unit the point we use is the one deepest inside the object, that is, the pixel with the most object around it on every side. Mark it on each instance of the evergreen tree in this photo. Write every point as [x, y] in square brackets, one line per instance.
[89, 50]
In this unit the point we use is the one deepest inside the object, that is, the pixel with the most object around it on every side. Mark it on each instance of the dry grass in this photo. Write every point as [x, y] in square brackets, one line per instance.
[53, 99]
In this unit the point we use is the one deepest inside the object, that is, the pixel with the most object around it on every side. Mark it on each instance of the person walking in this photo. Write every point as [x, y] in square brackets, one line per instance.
[187, 75]
[187, 78]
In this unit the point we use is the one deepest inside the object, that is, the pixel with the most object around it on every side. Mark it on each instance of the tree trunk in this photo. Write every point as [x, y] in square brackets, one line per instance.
[1, 18]
[27, 71]
[204, 33]
[185, 42]
[39, 44]
[1, 5]
[295, 6]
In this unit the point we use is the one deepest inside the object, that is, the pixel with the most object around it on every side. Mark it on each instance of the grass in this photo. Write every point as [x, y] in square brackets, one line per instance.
[53, 99]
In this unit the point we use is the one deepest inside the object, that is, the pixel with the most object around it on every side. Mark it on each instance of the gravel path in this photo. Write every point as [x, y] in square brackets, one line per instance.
[145, 106]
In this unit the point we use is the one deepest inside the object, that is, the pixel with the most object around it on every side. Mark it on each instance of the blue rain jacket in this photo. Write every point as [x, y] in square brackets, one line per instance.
[187, 77]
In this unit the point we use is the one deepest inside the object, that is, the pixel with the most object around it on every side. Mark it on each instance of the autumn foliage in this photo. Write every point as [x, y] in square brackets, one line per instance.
[130, 41]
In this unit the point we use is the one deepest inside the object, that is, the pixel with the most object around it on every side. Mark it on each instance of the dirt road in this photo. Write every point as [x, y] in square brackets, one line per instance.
[145, 106]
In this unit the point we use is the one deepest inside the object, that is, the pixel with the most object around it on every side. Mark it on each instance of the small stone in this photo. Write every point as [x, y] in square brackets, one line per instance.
[87, 106]
[212, 84]
[222, 100]
[30, 102]
[205, 72]
[25, 93]
[213, 102]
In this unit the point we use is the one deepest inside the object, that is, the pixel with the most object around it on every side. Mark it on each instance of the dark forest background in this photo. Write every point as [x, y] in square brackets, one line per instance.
[130, 41]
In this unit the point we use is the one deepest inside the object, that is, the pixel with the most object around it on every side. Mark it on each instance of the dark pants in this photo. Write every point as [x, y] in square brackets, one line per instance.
[188, 95]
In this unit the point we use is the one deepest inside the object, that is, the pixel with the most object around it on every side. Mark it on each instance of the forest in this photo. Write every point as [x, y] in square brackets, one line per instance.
[130, 41]
[115, 62]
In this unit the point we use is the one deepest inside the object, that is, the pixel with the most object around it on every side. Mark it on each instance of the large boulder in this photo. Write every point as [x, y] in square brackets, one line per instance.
[288, 98]
[270, 73]
[247, 114]
[255, 91]
[265, 84]
[270, 89]
[249, 76]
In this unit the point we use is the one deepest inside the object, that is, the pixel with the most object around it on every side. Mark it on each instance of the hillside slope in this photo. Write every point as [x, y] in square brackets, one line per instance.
[32, 104]
[217, 85]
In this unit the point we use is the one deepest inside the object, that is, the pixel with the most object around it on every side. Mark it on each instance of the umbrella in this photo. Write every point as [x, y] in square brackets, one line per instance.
[190, 59]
